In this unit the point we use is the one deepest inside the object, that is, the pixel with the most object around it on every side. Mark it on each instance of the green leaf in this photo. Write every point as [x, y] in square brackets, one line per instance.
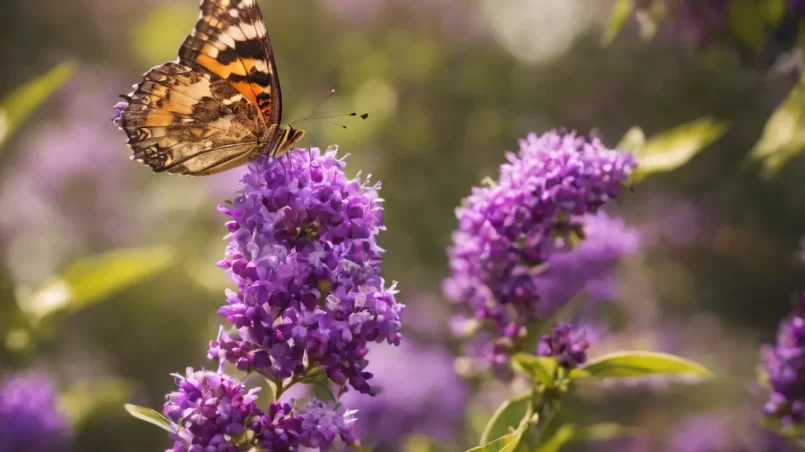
[152, 417]
[506, 443]
[562, 436]
[632, 141]
[747, 24]
[508, 416]
[539, 368]
[638, 364]
[784, 134]
[570, 432]
[620, 14]
[420, 443]
[18, 106]
[773, 11]
[92, 279]
[674, 148]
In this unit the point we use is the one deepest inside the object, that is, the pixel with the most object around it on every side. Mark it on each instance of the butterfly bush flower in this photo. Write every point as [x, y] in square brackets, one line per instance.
[567, 343]
[420, 393]
[29, 418]
[215, 412]
[785, 367]
[512, 231]
[303, 253]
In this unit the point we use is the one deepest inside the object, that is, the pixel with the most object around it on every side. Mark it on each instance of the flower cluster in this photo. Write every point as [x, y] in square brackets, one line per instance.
[214, 411]
[303, 253]
[29, 418]
[567, 343]
[785, 367]
[512, 232]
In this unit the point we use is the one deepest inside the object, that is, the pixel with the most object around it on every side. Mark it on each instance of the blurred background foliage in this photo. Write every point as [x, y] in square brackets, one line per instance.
[450, 85]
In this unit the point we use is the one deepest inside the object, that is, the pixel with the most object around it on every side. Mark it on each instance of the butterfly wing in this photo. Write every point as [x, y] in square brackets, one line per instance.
[185, 121]
[231, 41]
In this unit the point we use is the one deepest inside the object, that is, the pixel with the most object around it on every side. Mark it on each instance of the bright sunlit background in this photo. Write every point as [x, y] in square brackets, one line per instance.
[108, 274]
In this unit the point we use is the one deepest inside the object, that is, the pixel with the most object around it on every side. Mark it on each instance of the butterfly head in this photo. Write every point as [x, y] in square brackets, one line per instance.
[290, 136]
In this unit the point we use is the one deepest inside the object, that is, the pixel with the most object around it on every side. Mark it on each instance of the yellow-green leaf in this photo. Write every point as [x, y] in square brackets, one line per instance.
[506, 443]
[18, 106]
[151, 416]
[632, 141]
[562, 436]
[773, 11]
[541, 369]
[620, 13]
[92, 279]
[508, 417]
[639, 364]
[784, 134]
[747, 24]
[674, 148]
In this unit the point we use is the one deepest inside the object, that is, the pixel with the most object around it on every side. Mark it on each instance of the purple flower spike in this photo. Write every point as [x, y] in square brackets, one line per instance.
[785, 366]
[303, 253]
[29, 419]
[523, 237]
[567, 343]
[211, 410]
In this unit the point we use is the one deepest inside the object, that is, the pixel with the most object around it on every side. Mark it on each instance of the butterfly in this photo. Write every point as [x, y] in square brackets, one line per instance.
[218, 106]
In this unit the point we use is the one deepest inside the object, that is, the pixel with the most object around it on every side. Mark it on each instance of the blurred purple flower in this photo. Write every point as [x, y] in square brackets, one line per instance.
[785, 366]
[512, 232]
[588, 267]
[303, 253]
[420, 394]
[29, 418]
[567, 343]
[721, 433]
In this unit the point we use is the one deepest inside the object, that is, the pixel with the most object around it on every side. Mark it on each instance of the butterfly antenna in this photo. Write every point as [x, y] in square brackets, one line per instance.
[316, 107]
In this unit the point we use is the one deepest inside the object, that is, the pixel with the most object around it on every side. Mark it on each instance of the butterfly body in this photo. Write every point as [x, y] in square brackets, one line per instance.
[218, 106]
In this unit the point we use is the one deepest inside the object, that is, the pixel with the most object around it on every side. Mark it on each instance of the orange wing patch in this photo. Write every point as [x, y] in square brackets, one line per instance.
[186, 122]
[230, 40]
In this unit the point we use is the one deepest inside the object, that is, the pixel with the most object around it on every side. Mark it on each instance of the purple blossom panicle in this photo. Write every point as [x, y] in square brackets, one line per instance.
[303, 253]
[215, 412]
[510, 232]
[420, 394]
[29, 418]
[211, 410]
[720, 432]
[785, 367]
[567, 343]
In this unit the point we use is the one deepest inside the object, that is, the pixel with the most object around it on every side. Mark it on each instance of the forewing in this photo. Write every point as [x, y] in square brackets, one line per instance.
[184, 121]
[231, 41]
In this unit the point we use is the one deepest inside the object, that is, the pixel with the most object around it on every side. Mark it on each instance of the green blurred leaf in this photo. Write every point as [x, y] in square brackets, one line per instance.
[82, 402]
[784, 134]
[151, 416]
[420, 443]
[569, 432]
[18, 106]
[674, 148]
[539, 368]
[508, 416]
[747, 24]
[96, 278]
[506, 443]
[638, 364]
[632, 141]
[562, 436]
[773, 11]
[620, 14]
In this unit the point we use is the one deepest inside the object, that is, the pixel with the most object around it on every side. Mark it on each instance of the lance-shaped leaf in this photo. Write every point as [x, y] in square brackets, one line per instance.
[639, 364]
[508, 443]
[620, 13]
[18, 106]
[676, 147]
[784, 134]
[96, 278]
[151, 416]
[508, 417]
